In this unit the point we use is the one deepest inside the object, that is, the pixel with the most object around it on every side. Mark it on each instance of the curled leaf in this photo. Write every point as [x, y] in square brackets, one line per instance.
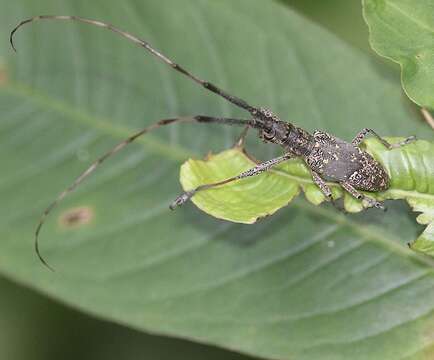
[411, 170]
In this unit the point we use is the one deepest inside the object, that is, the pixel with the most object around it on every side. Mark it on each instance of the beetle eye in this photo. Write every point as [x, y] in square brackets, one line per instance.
[269, 134]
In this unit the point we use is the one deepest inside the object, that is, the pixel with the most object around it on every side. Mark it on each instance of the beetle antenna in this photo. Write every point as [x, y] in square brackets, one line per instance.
[200, 119]
[144, 44]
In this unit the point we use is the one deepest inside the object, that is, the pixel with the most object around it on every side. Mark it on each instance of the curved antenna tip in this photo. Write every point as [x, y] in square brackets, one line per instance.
[11, 38]
[43, 260]
[38, 253]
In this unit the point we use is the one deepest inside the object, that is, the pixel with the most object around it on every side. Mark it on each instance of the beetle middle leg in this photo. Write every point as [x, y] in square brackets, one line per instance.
[242, 138]
[186, 195]
[358, 195]
[325, 189]
[363, 133]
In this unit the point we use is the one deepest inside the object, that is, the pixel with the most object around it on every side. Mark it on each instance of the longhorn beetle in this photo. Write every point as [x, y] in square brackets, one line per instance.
[328, 157]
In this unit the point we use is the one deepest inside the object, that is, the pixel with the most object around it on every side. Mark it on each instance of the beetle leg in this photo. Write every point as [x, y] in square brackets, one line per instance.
[358, 195]
[325, 189]
[322, 185]
[363, 133]
[186, 195]
[242, 138]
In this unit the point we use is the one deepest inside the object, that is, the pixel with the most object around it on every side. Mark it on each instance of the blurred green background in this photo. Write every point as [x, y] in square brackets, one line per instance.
[34, 327]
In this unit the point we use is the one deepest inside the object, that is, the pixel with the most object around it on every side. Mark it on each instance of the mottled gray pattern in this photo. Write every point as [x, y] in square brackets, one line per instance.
[337, 160]
[328, 157]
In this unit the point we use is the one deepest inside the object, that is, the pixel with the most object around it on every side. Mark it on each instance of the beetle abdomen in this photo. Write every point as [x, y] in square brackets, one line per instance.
[370, 177]
[339, 161]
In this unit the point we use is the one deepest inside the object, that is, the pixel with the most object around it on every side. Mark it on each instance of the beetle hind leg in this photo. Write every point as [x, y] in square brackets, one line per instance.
[325, 189]
[358, 195]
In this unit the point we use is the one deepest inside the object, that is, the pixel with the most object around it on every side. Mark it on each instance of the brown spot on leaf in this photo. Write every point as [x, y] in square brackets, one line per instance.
[76, 217]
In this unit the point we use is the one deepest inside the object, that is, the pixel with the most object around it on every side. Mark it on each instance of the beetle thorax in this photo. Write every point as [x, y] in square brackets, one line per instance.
[271, 128]
[299, 142]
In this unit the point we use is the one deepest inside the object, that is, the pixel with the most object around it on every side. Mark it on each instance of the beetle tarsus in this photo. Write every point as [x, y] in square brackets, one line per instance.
[181, 199]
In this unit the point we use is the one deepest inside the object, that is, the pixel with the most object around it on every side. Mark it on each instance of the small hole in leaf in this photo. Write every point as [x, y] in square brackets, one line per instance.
[76, 217]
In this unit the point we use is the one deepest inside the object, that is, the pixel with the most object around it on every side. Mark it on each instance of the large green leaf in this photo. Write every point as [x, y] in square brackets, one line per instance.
[307, 283]
[403, 31]
[31, 336]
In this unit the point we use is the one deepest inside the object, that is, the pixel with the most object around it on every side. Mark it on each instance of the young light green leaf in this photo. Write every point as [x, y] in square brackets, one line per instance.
[245, 201]
[412, 175]
[403, 31]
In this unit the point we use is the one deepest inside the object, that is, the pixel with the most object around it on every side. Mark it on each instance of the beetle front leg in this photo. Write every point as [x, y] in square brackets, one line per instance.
[358, 195]
[363, 133]
[322, 185]
[242, 138]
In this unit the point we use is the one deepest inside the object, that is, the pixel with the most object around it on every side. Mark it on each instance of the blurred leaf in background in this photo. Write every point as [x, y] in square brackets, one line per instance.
[341, 17]
[306, 283]
[402, 31]
[36, 328]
